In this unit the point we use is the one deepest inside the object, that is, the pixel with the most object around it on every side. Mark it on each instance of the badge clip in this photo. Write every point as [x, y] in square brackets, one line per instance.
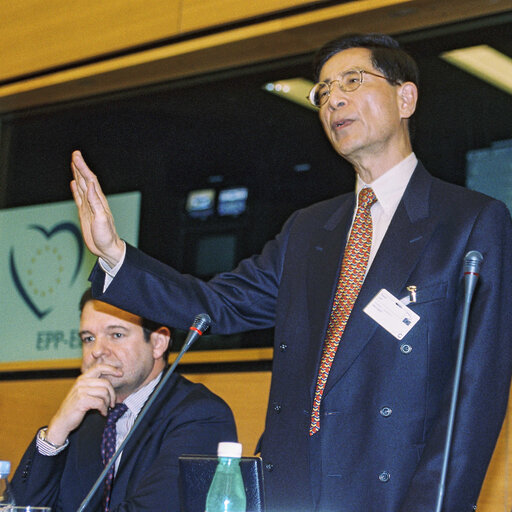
[412, 292]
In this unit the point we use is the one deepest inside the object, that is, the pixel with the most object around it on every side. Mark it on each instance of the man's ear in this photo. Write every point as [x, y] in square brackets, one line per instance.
[160, 339]
[407, 99]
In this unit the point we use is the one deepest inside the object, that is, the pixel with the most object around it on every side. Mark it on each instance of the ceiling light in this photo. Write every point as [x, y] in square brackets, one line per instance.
[484, 62]
[293, 89]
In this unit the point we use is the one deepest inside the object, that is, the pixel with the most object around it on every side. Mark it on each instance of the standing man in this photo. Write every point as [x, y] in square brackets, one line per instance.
[122, 362]
[358, 410]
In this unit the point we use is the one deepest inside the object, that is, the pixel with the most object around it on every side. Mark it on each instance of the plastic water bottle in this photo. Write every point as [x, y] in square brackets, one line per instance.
[227, 491]
[6, 495]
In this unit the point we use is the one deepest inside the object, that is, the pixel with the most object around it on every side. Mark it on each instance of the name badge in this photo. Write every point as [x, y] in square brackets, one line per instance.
[391, 314]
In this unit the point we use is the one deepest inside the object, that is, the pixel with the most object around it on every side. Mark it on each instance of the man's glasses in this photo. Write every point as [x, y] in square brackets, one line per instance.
[349, 81]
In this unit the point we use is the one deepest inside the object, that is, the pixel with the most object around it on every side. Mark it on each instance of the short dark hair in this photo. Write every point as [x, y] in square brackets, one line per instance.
[148, 326]
[386, 54]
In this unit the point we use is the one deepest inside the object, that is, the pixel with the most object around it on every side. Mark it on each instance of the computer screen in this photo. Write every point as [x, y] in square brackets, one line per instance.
[232, 201]
[200, 203]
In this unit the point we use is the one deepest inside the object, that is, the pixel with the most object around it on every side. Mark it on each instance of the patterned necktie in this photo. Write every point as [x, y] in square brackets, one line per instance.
[353, 270]
[108, 447]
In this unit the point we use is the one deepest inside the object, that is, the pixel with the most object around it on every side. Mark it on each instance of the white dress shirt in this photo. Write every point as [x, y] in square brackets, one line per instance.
[389, 189]
[135, 402]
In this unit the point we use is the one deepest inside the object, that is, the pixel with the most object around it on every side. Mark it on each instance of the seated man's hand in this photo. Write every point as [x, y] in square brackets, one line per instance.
[90, 391]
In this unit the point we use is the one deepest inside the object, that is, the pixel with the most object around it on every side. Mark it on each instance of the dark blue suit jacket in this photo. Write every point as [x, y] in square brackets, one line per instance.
[185, 418]
[385, 406]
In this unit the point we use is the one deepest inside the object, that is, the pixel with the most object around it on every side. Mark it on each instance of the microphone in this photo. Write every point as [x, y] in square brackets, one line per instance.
[201, 324]
[472, 263]
[471, 269]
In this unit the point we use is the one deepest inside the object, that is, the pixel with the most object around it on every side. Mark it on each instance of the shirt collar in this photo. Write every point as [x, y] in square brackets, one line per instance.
[136, 400]
[390, 187]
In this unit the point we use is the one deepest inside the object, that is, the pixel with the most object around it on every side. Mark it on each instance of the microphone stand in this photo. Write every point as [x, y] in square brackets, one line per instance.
[201, 323]
[472, 263]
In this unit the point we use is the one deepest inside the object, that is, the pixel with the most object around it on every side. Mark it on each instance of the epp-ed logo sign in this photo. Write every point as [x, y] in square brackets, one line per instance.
[41, 270]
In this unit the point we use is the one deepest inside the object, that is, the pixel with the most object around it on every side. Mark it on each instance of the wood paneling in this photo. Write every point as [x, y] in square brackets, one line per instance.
[26, 406]
[496, 494]
[194, 357]
[43, 34]
[277, 38]
[201, 14]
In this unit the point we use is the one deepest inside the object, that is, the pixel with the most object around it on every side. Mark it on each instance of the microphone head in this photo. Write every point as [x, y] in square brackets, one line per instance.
[201, 322]
[472, 262]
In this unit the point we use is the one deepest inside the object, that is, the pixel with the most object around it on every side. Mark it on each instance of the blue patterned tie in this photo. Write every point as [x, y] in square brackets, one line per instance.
[108, 447]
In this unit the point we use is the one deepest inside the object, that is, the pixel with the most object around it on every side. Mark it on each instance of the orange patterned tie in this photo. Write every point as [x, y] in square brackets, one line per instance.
[353, 270]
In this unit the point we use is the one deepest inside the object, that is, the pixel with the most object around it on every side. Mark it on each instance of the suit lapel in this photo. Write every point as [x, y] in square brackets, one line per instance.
[324, 263]
[408, 233]
[131, 453]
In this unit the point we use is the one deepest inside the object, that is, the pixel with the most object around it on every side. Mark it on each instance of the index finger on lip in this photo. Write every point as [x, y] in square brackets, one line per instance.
[102, 370]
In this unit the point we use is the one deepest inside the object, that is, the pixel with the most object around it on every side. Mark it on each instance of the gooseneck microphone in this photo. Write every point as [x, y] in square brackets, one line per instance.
[471, 269]
[472, 262]
[201, 324]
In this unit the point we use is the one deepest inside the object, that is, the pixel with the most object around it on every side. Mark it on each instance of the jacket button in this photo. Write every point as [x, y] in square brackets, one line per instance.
[405, 348]
[386, 411]
[384, 476]
[283, 347]
[269, 467]
[277, 408]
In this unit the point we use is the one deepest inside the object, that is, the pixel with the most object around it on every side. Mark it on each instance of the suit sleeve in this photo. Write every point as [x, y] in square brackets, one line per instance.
[485, 379]
[37, 478]
[237, 301]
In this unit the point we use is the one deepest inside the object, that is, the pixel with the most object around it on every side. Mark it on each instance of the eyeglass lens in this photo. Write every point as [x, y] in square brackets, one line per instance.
[348, 82]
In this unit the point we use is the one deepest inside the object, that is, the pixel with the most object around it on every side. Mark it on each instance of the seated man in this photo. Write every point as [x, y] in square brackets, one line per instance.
[123, 358]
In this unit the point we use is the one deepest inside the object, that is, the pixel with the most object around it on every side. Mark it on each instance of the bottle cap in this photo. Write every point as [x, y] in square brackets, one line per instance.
[229, 450]
[5, 467]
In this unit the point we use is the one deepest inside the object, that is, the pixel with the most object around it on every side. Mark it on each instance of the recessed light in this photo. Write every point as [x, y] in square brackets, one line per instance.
[293, 89]
[484, 62]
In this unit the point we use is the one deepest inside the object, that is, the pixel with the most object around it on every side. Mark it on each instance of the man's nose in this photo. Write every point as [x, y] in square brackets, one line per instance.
[100, 347]
[337, 97]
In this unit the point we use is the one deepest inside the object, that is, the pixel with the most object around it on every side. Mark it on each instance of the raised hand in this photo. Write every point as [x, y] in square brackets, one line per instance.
[90, 391]
[96, 220]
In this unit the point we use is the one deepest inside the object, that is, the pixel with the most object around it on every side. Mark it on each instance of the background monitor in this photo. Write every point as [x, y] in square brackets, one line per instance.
[200, 203]
[489, 171]
[232, 201]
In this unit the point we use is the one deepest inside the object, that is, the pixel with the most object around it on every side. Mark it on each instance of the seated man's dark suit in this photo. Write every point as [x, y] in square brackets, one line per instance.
[385, 406]
[185, 418]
